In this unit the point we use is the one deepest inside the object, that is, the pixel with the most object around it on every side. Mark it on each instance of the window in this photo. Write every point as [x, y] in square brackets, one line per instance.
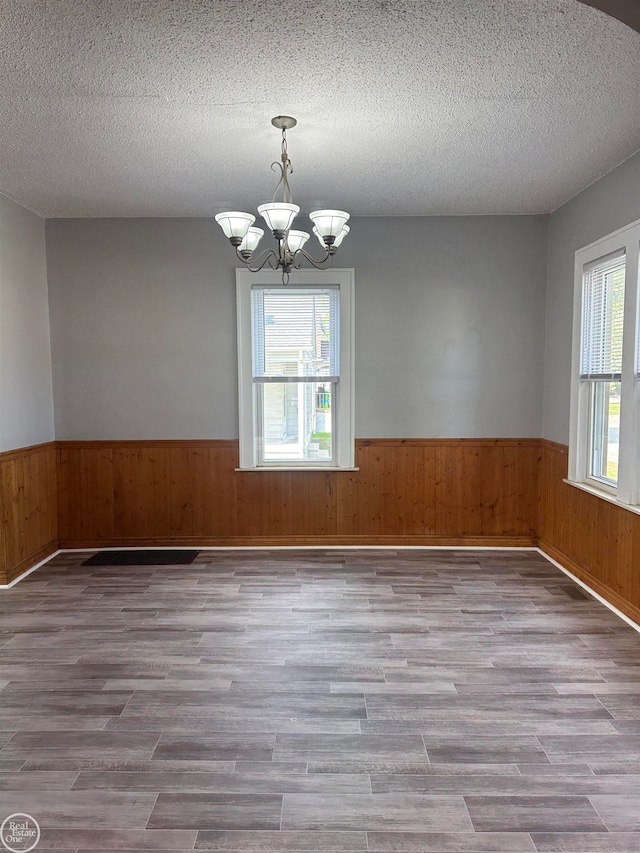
[605, 398]
[295, 358]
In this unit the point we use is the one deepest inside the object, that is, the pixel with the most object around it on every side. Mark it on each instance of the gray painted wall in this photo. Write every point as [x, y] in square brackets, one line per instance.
[26, 398]
[142, 329]
[449, 327]
[609, 204]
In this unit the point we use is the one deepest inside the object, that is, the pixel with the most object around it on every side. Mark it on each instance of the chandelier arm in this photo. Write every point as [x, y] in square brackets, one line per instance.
[284, 167]
[261, 260]
[319, 265]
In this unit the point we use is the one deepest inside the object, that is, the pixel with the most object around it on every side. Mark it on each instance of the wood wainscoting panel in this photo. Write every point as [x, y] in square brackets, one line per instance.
[28, 508]
[285, 504]
[137, 491]
[392, 493]
[486, 489]
[593, 538]
[202, 482]
[406, 491]
[86, 493]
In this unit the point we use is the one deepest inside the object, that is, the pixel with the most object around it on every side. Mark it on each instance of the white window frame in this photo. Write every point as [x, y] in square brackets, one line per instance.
[344, 279]
[627, 492]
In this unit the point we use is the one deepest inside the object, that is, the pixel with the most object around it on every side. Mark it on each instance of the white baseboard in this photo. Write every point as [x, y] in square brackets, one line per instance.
[29, 571]
[591, 592]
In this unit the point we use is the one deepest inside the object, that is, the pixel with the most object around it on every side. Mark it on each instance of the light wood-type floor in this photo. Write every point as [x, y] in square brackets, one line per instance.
[330, 701]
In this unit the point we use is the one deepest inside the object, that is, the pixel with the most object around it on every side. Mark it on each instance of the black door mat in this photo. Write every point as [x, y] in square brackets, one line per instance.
[141, 558]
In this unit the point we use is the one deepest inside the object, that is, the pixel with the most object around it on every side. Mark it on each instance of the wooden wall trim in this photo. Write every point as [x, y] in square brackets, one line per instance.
[448, 442]
[613, 597]
[309, 541]
[555, 446]
[360, 442]
[28, 508]
[19, 452]
[138, 443]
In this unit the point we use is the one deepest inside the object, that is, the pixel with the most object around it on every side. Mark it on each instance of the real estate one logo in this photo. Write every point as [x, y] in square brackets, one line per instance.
[20, 832]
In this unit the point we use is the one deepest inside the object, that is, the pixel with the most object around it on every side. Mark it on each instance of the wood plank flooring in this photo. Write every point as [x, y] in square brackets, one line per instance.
[320, 702]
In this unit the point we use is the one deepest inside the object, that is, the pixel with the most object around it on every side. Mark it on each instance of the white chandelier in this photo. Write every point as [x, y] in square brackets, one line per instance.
[330, 226]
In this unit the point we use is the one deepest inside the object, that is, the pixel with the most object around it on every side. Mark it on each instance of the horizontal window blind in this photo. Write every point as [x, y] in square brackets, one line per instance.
[295, 334]
[637, 329]
[603, 317]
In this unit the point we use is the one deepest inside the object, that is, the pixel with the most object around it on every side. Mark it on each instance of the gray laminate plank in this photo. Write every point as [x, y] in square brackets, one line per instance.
[468, 730]
[291, 747]
[116, 839]
[533, 814]
[411, 768]
[72, 702]
[9, 765]
[269, 767]
[582, 747]
[412, 707]
[180, 781]
[37, 781]
[620, 813]
[496, 785]
[362, 812]
[29, 719]
[586, 842]
[274, 704]
[556, 769]
[450, 842]
[500, 749]
[185, 723]
[81, 745]
[218, 747]
[256, 841]
[216, 811]
[98, 763]
[82, 809]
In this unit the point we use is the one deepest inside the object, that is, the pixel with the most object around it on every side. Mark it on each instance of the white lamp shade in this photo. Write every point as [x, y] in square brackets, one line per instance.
[296, 240]
[329, 222]
[341, 236]
[278, 214]
[234, 223]
[251, 240]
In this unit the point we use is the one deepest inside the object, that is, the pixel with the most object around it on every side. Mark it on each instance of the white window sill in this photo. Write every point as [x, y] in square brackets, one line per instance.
[270, 469]
[601, 493]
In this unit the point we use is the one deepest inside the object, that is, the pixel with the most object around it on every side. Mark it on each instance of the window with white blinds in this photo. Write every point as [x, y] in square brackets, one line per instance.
[295, 370]
[604, 444]
[295, 333]
[603, 317]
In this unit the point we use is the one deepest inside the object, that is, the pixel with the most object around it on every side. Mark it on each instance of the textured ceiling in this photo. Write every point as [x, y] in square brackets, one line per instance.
[405, 107]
